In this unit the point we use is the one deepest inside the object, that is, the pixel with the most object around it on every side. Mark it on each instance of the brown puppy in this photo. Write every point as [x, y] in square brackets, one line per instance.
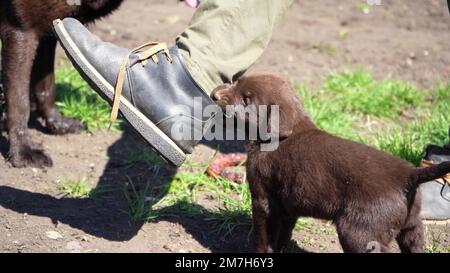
[370, 196]
[28, 55]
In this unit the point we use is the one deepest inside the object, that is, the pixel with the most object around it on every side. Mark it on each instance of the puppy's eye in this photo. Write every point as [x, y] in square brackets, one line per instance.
[247, 101]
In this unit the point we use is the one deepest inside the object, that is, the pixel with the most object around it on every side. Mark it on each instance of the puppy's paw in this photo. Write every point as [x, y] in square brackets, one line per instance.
[28, 157]
[63, 125]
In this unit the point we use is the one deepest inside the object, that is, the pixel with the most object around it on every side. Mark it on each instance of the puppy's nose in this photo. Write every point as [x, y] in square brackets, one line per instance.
[215, 96]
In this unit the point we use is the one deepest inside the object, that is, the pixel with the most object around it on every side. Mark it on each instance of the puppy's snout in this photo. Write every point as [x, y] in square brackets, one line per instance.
[220, 92]
[216, 95]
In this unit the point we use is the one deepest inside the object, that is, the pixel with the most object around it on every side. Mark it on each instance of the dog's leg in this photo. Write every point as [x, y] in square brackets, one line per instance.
[362, 240]
[286, 227]
[279, 226]
[273, 225]
[352, 242]
[410, 239]
[43, 86]
[19, 49]
[260, 205]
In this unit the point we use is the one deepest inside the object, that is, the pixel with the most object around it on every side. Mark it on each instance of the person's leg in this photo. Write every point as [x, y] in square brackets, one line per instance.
[224, 38]
[159, 90]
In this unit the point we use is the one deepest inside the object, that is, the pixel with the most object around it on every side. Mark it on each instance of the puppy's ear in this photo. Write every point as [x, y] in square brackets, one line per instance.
[282, 116]
[280, 122]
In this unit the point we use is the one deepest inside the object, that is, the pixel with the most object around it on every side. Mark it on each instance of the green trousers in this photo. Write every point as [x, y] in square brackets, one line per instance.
[225, 37]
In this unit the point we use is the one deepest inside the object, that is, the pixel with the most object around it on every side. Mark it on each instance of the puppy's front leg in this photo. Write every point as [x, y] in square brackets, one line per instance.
[287, 226]
[260, 205]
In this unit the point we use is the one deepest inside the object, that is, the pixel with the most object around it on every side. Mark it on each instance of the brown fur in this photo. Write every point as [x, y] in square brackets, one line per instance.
[28, 55]
[371, 196]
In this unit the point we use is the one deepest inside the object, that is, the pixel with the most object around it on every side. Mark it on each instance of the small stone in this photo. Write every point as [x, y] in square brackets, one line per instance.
[172, 19]
[409, 62]
[290, 58]
[73, 246]
[168, 247]
[53, 235]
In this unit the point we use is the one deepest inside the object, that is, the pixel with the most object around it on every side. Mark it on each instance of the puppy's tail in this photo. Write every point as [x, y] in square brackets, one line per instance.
[432, 172]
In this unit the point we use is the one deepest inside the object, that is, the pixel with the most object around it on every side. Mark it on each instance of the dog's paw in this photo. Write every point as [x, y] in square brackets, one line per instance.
[63, 125]
[28, 157]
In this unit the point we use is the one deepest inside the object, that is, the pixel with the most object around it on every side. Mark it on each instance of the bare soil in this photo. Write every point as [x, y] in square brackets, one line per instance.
[404, 39]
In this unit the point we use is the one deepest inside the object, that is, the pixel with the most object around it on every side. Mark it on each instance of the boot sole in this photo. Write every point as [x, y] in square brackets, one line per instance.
[158, 140]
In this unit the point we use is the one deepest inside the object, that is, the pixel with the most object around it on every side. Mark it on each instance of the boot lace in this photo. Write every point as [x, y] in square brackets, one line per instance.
[151, 52]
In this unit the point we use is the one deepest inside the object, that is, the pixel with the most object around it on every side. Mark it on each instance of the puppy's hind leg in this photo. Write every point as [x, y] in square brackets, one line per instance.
[362, 240]
[43, 86]
[19, 49]
[410, 239]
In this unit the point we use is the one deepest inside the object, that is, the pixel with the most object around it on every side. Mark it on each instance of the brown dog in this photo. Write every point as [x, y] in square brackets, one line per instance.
[371, 196]
[28, 55]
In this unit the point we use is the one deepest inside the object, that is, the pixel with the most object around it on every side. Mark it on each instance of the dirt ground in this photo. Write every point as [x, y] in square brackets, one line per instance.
[404, 39]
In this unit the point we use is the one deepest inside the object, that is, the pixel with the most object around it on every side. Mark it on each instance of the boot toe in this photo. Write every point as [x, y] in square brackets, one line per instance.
[105, 57]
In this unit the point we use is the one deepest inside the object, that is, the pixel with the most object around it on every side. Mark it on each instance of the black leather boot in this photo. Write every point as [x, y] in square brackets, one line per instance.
[150, 86]
[436, 194]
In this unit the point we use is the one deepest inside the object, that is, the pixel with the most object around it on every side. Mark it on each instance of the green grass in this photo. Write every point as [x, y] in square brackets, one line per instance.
[76, 99]
[435, 246]
[327, 114]
[74, 188]
[407, 118]
[79, 188]
[324, 48]
[343, 34]
[362, 7]
[357, 92]
[137, 201]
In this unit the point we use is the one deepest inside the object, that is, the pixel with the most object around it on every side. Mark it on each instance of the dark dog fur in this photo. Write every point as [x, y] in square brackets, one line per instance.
[28, 55]
[371, 196]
